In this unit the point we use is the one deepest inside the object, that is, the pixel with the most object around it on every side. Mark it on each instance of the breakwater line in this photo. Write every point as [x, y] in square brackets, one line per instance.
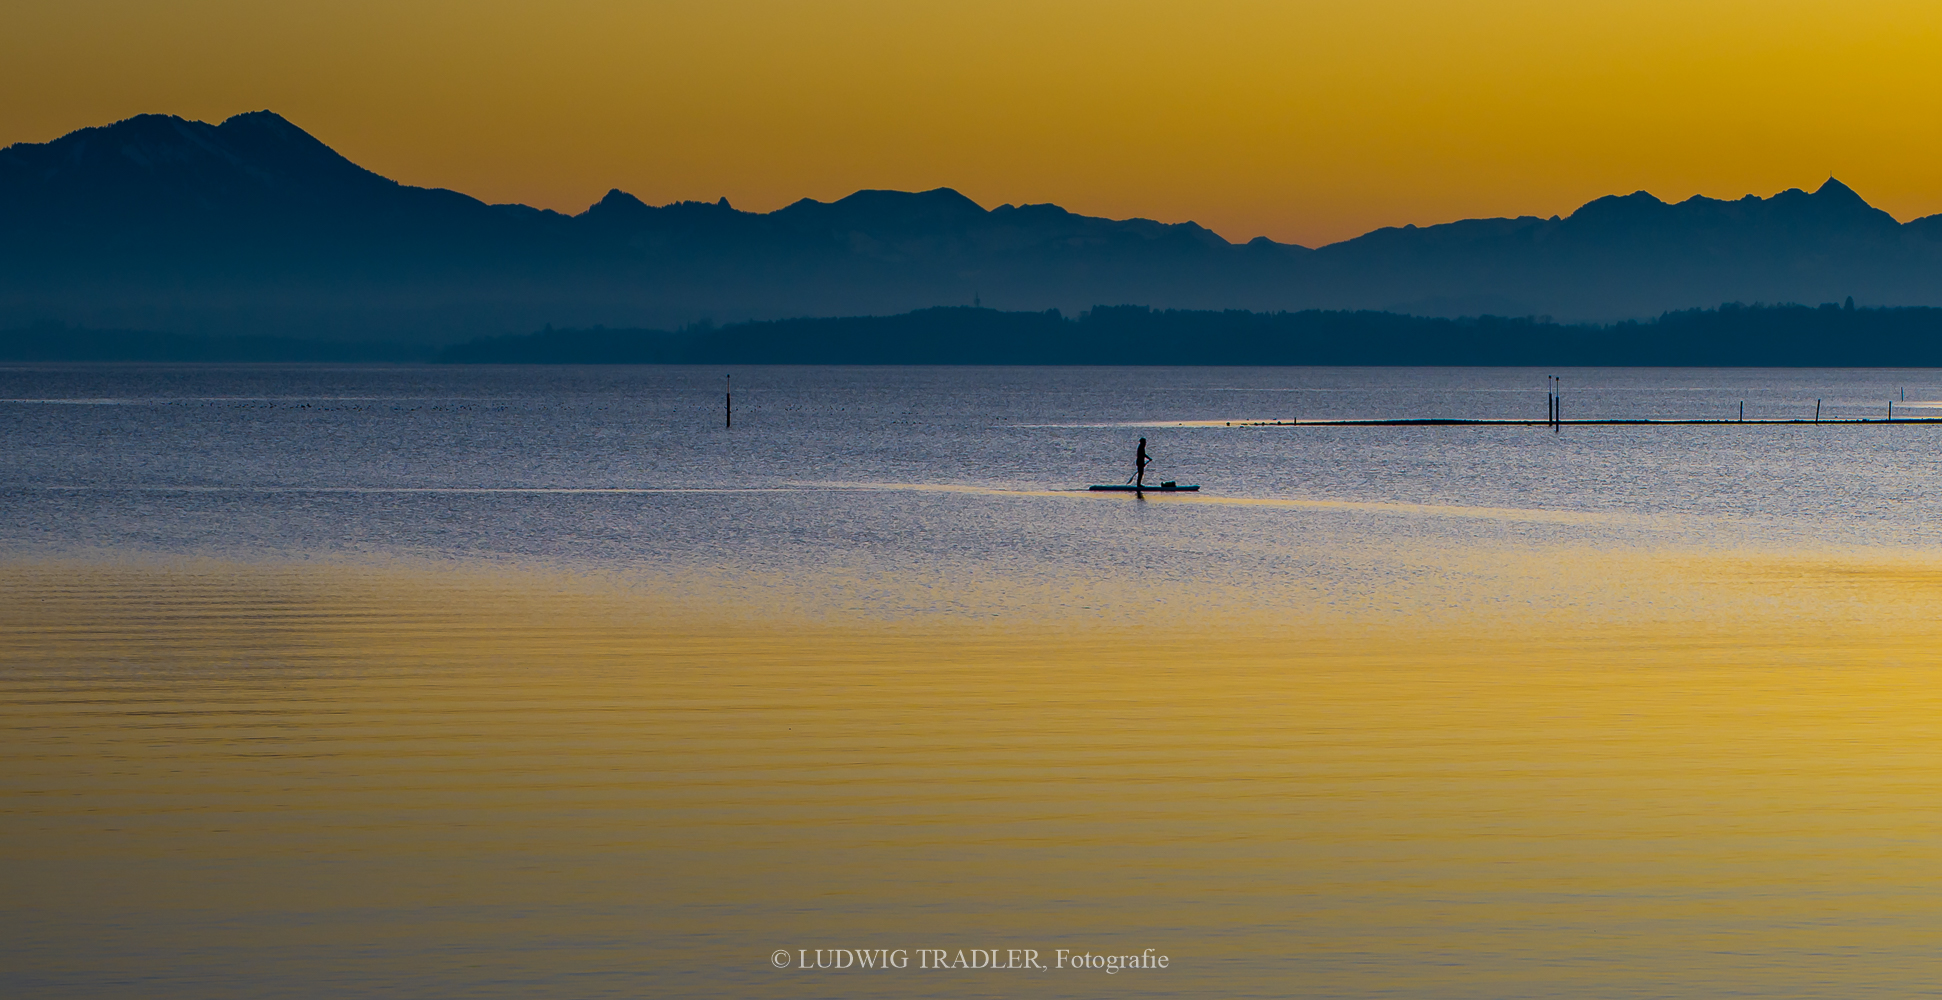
[1596, 422]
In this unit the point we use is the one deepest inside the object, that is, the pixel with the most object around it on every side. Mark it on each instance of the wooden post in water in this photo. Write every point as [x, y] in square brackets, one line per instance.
[1891, 411]
[1742, 411]
[1817, 411]
[728, 401]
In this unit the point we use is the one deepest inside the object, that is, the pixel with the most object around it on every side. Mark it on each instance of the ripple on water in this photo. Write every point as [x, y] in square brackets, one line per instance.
[311, 779]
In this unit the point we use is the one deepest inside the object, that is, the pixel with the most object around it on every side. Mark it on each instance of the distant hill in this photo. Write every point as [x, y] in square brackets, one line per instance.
[255, 228]
[1781, 336]
[1733, 335]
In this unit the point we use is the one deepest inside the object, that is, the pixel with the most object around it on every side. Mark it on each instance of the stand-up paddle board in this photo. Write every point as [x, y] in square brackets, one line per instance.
[1162, 488]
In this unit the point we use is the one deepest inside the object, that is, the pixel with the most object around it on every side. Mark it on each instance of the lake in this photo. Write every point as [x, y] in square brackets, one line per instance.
[513, 682]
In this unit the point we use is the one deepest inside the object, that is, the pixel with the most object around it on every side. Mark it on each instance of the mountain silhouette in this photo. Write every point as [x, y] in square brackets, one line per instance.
[255, 228]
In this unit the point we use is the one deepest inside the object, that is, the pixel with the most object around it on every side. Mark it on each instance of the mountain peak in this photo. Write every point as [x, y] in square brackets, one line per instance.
[891, 210]
[1619, 208]
[936, 199]
[1833, 190]
[616, 198]
[260, 119]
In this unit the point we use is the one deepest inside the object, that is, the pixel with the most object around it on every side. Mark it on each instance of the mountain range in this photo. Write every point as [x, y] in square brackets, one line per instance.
[254, 227]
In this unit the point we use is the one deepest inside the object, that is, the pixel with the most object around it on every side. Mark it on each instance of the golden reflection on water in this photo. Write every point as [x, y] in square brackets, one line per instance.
[298, 779]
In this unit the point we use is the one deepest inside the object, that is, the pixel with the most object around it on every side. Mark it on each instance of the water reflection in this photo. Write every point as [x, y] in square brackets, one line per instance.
[1675, 776]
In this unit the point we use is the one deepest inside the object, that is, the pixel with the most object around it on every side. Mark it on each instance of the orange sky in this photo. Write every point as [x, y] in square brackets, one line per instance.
[1303, 121]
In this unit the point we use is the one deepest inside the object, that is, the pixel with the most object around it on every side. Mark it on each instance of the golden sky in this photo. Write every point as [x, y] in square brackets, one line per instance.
[1305, 121]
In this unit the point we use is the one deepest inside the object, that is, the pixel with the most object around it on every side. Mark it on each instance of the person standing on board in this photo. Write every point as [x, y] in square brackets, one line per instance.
[1139, 465]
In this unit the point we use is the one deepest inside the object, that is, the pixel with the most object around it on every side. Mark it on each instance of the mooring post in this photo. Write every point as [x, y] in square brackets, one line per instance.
[1817, 411]
[1891, 411]
[728, 401]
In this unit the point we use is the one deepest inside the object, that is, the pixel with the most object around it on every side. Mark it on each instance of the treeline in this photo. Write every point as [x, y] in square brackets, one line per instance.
[1731, 335]
[1104, 335]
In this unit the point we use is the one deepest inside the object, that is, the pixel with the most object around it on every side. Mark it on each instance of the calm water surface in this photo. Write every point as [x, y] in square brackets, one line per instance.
[539, 681]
